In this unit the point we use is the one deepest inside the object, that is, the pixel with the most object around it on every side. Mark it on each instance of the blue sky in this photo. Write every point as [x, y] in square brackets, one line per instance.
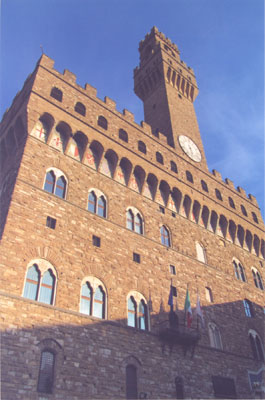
[222, 40]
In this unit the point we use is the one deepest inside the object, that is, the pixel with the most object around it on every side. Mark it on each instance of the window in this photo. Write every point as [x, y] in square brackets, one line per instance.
[46, 373]
[57, 94]
[142, 147]
[218, 194]
[256, 345]
[173, 167]
[80, 108]
[159, 158]
[102, 122]
[131, 382]
[244, 211]
[97, 203]
[209, 294]
[174, 291]
[96, 241]
[136, 258]
[137, 311]
[164, 235]
[201, 253]
[40, 283]
[179, 388]
[224, 388]
[123, 135]
[93, 298]
[55, 183]
[134, 220]
[255, 218]
[189, 176]
[162, 209]
[51, 222]
[215, 337]
[204, 186]
[257, 279]
[172, 269]
[248, 308]
[239, 271]
[231, 202]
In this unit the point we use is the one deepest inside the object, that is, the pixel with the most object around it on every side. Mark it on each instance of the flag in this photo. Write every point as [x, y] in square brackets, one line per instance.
[170, 297]
[199, 312]
[150, 304]
[187, 309]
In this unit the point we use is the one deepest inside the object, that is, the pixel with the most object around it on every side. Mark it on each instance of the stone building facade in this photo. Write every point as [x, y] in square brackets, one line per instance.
[106, 225]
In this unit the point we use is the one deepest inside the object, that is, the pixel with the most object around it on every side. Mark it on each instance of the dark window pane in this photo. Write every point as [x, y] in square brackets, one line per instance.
[129, 218]
[86, 293]
[138, 224]
[142, 316]
[101, 207]
[49, 182]
[47, 287]
[32, 283]
[92, 202]
[131, 312]
[60, 187]
[98, 305]
[131, 382]
[224, 388]
[46, 373]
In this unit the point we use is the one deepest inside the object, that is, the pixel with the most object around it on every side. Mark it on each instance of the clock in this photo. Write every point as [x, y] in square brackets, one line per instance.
[190, 148]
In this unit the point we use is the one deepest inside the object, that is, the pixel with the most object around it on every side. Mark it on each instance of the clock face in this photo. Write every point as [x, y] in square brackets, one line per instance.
[190, 148]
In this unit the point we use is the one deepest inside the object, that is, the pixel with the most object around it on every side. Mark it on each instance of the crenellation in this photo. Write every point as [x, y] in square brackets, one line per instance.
[69, 76]
[128, 115]
[91, 90]
[146, 128]
[111, 103]
[217, 174]
[229, 183]
[46, 61]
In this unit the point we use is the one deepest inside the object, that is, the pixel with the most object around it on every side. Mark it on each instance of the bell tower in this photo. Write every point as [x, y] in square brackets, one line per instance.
[168, 88]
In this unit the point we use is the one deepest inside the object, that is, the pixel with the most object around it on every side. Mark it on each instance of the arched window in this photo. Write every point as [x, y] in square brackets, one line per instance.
[141, 147]
[164, 235]
[46, 372]
[215, 337]
[40, 282]
[159, 158]
[209, 294]
[231, 202]
[248, 308]
[137, 311]
[189, 176]
[134, 220]
[204, 186]
[123, 135]
[257, 279]
[218, 194]
[244, 211]
[80, 108]
[93, 298]
[173, 167]
[255, 218]
[256, 345]
[55, 183]
[201, 253]
[131, 382]
[132, 321]
[239, 271]
[97, 203]
[102, 122]
[57, 94]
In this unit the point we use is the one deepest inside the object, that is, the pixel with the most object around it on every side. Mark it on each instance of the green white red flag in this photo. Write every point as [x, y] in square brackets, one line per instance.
[187, 309]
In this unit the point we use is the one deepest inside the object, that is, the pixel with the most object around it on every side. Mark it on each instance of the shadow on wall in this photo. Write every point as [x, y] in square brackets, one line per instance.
[55, 353]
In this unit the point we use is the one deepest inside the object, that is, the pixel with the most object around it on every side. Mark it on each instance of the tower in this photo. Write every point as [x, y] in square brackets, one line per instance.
[168, 88]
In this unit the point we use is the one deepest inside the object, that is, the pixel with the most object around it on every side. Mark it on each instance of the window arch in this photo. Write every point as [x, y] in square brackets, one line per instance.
[201, 252]
[215, 336]
[97, 203]
[55, 183]
[56, 94]
[255, 218]
[46, 372]
[137, 311]
[80, 108]
[256, 345]
[231, 202]
[218, 194]
[257, 279]
[141, 147]
[239, 270]
[204, 186]
[244, 211]
[189, 176]
[102, 122]
[93, 298]
[164, 235]
[40, 282]
[173, 167]
[159, 158]
[134, 220]
[123, 135]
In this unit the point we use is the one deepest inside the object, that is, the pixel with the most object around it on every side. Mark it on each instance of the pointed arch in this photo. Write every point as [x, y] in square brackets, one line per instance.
[150, 187]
